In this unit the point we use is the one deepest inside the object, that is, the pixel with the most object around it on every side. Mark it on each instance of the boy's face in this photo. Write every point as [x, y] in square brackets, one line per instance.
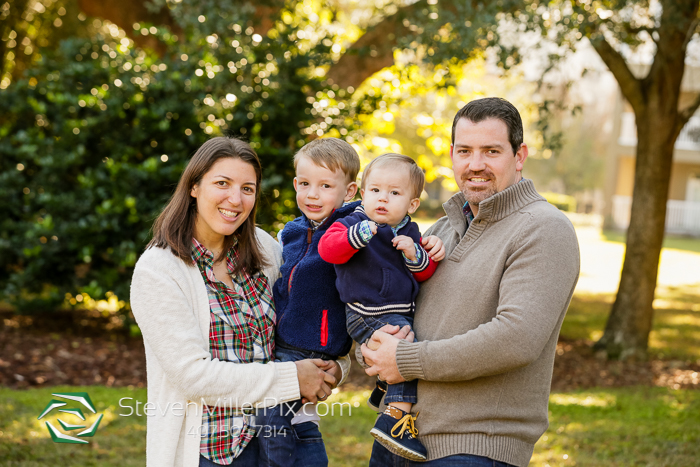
[319, 190]
[387, 195]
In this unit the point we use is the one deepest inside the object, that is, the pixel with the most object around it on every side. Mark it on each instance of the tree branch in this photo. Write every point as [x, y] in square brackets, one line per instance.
[374, 50]
[124, 13]
[630, 86]
[369, 54]
[691, 32]
[687, 112]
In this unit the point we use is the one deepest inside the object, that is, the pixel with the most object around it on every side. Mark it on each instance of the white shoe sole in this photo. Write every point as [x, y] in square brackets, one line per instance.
[394, 447]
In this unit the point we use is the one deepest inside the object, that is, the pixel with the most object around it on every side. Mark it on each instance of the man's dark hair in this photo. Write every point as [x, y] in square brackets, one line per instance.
[493, 107]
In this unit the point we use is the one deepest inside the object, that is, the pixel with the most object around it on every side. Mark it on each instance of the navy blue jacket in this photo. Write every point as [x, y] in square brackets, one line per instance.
[373, 277]
[310, 313]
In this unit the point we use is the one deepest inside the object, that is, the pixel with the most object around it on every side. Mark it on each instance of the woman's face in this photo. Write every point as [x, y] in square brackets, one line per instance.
[225, 197]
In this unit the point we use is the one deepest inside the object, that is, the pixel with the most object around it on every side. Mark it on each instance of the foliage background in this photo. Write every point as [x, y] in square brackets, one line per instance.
[95, 129]
[95, 133]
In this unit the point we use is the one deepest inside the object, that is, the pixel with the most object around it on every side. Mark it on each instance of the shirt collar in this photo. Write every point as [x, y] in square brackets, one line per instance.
[401, 224]
[314, 224]
[201, 255]
[468, 213]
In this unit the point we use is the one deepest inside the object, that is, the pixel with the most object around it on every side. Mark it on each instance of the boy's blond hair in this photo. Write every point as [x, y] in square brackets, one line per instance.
[416, 175]
[333, 154]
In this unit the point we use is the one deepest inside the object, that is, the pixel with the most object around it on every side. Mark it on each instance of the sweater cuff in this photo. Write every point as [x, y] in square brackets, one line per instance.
[287, 381]
[422, 260]
[344, 364]
[359, 235]
[408, 360]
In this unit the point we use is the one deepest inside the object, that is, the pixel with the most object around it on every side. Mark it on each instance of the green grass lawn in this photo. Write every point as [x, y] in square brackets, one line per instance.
[631, 426]
[25, 441]
[676, 328]
[672, 242]
[613, 427]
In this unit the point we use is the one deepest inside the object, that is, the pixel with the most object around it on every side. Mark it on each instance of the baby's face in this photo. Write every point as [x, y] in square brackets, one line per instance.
[319, 190]
[387, 195]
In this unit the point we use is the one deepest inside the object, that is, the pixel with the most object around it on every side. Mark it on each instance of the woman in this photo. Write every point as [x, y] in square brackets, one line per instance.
[201, 294]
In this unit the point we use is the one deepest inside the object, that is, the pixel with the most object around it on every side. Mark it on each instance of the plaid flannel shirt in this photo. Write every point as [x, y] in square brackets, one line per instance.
[242, 331]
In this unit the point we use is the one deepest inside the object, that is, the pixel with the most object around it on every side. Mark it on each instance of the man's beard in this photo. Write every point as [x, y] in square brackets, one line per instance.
[476, 196]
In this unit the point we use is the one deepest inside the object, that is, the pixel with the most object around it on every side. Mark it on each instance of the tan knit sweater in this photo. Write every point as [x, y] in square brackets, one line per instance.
[488, 323]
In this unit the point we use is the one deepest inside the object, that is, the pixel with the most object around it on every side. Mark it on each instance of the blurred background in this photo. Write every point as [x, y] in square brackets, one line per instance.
[102, 103]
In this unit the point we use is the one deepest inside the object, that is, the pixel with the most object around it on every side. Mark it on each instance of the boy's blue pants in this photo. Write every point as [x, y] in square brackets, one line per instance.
[277, 443]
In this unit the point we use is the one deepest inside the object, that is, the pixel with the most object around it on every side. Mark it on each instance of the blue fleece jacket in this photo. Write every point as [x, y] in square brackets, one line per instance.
[310, 314]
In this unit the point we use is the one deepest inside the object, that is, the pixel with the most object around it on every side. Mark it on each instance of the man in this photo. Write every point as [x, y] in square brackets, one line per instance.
[487, 322]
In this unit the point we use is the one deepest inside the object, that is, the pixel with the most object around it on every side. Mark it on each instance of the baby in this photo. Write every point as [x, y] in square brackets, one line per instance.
[379, 261]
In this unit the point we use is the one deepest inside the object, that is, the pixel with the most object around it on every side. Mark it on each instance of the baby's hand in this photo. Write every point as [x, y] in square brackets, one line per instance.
[405, 245]
[434, 247]
[373, 227]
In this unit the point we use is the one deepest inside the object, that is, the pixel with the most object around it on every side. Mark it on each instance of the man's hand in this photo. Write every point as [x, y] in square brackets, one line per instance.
[314, 383]
[384, 358]
[405, 245]
[405, 333]
[433, 245]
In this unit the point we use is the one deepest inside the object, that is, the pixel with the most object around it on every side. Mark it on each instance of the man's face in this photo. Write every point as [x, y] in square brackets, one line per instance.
[483, 161]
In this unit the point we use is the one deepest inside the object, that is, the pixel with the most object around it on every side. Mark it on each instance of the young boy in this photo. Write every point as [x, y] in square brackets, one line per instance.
[310, 313]
[379, 260]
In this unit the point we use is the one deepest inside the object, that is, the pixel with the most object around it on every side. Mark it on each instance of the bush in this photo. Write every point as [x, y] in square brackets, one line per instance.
[94, 138]
[563, 202]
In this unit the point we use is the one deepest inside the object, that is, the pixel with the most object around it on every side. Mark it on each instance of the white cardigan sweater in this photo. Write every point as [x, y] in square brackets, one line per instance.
[170, 303]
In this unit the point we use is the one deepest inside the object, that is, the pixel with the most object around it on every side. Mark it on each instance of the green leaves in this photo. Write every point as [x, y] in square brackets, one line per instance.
[93, 140]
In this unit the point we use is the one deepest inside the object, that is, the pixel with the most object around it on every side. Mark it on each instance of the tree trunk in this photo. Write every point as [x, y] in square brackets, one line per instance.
[628, 327]
[655, 100]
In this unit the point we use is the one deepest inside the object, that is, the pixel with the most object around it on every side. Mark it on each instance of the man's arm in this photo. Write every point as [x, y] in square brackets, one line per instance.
[533, 296]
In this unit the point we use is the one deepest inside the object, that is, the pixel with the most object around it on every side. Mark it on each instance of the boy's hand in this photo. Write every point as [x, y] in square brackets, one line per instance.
[373, 227]
[405, 245]
[434, 247]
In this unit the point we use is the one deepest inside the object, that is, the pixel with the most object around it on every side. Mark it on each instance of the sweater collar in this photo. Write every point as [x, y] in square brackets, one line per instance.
[495, 208]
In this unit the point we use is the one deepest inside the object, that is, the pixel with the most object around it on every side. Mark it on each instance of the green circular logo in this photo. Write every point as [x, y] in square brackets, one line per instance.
[86, 432]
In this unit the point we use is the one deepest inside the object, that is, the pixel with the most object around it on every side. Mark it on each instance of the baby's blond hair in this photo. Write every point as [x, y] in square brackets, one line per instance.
[416, 175]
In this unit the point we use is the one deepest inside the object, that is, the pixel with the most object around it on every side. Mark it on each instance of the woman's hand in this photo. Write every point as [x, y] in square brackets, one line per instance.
[314, 383]
[332, 368]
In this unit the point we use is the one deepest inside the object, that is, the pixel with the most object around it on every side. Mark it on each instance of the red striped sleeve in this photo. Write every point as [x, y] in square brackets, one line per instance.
[426, 273]
[334, 246]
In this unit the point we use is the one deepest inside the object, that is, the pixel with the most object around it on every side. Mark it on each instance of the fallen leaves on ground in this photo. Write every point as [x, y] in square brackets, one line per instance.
[35, 356]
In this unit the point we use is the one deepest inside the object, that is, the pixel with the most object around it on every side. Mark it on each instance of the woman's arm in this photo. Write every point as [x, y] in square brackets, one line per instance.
[163, 301]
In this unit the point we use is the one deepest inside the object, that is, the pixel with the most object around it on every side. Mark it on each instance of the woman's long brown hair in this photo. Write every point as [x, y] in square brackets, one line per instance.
[174, 227]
